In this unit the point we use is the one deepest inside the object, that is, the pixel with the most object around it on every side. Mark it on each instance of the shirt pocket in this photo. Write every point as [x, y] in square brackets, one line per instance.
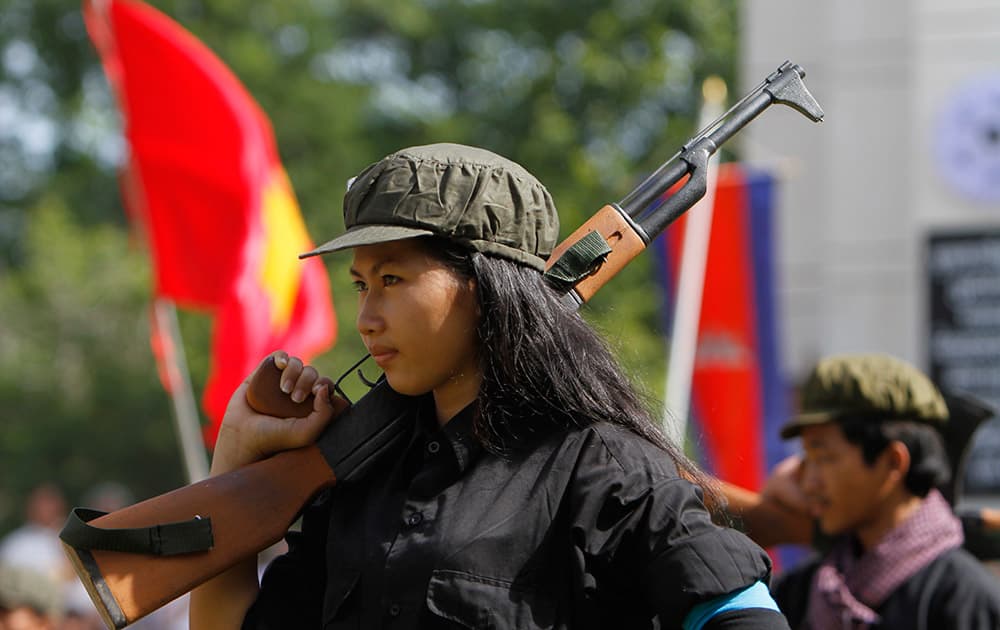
[338, 588]
[483, 603]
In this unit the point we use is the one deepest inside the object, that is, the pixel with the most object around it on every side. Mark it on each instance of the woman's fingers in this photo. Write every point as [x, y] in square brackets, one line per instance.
[248, 435]
[290, 374]
[297, 379]
[304, 384]
[327, 399]
[280, 358]
[323, 381]
[296, 432]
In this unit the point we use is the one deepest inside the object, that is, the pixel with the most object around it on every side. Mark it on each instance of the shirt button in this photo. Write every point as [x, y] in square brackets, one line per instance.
[394, 610]
[433, 447]
[414, 519]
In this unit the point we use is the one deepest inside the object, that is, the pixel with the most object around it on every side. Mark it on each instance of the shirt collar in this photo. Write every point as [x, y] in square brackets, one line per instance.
[459, 432]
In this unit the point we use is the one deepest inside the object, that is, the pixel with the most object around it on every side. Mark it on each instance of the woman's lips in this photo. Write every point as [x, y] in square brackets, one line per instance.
[381, 355]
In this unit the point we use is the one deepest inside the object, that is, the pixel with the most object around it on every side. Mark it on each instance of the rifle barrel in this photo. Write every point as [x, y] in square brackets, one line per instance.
[645, 204]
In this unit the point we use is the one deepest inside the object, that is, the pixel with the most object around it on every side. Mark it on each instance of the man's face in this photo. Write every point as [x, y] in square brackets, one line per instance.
[845, 494]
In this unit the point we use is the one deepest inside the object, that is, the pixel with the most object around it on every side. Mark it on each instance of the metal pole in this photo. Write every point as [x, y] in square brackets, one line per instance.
[687, 304]
[178, 382]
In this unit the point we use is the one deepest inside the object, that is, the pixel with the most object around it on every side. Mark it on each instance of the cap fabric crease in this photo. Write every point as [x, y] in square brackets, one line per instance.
[469, 195]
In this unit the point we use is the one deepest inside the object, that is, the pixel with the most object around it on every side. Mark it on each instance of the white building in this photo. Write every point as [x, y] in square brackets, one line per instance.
[910, 148]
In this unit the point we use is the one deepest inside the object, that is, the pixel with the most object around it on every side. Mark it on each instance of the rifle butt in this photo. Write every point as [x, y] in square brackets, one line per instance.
[251, 508]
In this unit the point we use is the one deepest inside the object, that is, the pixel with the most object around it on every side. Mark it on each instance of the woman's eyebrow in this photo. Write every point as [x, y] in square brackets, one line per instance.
[374, 269]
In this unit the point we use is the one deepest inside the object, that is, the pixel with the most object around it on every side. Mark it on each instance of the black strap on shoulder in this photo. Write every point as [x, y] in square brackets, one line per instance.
[578, 261]
[166, 539]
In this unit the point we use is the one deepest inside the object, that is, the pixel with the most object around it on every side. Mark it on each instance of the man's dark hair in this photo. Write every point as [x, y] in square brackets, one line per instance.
[929, 466]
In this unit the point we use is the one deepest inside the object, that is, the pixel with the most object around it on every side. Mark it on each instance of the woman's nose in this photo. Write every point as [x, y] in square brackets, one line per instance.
[369, 316]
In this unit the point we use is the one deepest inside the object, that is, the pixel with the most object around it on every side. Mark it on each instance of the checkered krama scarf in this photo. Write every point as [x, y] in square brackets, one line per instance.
[847, 588]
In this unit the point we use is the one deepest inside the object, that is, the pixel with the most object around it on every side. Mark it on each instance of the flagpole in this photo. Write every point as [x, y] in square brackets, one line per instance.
[691, 278]
[177, 380]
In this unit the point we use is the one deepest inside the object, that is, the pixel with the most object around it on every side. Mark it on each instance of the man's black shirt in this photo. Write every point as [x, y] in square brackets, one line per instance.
[953, 591]
[592, 527]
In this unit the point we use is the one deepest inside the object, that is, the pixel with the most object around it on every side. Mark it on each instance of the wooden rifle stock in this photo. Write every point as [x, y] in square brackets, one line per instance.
[620, 236]
[251, 508]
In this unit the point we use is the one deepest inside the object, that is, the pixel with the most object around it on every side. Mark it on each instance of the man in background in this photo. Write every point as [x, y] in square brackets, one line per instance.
[873, 457]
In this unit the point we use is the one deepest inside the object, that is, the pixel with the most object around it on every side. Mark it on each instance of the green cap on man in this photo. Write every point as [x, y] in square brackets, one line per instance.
[874, 387]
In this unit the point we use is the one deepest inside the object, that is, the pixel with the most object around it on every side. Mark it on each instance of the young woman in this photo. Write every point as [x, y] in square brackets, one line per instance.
[534, 490]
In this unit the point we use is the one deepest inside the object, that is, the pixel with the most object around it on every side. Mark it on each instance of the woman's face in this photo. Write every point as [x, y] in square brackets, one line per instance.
[418, 320]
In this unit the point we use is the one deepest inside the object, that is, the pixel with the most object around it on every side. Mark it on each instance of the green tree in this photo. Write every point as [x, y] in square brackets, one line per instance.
[82, 401]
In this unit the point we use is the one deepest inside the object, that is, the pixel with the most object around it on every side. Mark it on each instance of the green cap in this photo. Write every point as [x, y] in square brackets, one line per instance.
[472, 196]
[867, 386]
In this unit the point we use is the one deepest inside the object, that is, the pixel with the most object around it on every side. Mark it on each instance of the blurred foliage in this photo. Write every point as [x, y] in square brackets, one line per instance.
[587, 95]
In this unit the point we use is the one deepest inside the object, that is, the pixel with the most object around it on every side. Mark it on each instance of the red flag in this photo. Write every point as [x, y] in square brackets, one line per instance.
[728, 390]
[205, 182]
[738, 397]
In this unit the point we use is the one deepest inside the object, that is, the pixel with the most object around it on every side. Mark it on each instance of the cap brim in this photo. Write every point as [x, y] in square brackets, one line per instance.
[367, 235]
[795, 426]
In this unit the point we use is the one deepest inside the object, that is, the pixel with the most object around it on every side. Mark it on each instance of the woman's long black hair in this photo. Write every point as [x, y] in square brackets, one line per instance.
[543, 367]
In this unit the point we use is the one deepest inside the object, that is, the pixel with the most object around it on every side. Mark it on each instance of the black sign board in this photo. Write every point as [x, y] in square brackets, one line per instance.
[963, 270]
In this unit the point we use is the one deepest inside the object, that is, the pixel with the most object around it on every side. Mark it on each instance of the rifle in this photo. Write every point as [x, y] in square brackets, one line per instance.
[137, 559]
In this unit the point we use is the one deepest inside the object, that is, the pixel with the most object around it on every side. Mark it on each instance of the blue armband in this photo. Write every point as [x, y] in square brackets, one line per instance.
[754, 596]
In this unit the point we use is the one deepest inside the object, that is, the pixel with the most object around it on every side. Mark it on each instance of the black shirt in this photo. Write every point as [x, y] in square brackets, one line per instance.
[592, 527]
[953, 591]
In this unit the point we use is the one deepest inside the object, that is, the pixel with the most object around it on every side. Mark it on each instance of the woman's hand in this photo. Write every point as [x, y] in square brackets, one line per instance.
[247, 436]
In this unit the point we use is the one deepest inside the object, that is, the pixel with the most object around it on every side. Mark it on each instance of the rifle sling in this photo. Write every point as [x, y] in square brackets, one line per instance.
[578, 262]
[166, 539]
[366, 433]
